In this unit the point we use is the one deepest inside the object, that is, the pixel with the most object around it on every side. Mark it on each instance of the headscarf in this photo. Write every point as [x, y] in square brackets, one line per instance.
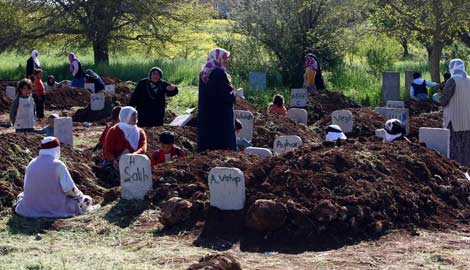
[72, 57]
[334, 133]
[215, 60]
[457, 68]
[34, 56]
[157, 69]
[311, 62]
[131, 132]
[394, 129]
[50, 146]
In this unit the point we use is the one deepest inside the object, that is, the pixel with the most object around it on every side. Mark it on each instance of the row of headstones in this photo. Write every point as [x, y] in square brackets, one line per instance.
[391, 84]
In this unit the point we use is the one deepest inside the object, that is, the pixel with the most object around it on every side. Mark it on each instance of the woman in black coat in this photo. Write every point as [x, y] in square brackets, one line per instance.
[32, 64]
[149, 98]
[216, 123]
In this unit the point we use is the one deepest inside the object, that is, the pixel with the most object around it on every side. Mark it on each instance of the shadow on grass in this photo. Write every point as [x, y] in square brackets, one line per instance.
[29, 226]
[124, 213]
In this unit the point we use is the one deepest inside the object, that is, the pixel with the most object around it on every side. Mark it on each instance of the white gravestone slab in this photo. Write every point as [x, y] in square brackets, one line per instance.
[395, 104]
[283, 144]
[110, 89]
[136, 176]
[10, 92]
[437, 139]
[257, 80]
[298, 115]
[90, 86]
[380, 133]
[227, 188]
[97, 101]
[298, 98]
[63, 129]
[181, 120]
[391, 86]
[260, 152]
[344, 119]
[401, 114]
[247, 119]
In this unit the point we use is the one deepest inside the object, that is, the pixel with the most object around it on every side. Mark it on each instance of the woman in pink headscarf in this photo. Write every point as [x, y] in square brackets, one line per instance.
[216, 125]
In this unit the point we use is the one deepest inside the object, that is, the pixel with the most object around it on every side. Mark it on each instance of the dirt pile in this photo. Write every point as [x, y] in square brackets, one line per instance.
[322, 104]
[418, 107]
[17, 150]
[216, 262]
[431, 120]
[366, 122]
[66, 98]
[98, 117]
[121, 86]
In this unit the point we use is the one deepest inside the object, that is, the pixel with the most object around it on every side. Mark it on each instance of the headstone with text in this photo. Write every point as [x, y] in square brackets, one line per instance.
[298, 98]
[136, 176]
[227, 188]
[247, 119]
[344, 119]
[283, 144]
[97, 101]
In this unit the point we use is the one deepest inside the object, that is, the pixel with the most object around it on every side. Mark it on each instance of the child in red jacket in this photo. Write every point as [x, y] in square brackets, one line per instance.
[167, 151]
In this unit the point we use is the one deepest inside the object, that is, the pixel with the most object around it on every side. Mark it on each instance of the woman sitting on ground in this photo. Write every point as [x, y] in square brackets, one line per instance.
[277, 106]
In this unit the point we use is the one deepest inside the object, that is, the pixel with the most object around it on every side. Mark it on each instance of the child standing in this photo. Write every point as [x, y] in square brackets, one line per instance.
[48, 130]
[39, 93]
[22, 113]
[277, 106]
[167, 151]
[242, 143]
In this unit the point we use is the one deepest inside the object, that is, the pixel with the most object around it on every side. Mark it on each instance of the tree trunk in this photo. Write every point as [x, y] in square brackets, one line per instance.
[404, 44]
[100, 51]
[434, 56]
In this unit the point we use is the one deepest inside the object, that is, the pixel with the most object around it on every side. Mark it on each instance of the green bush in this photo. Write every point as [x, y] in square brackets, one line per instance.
[380, 58]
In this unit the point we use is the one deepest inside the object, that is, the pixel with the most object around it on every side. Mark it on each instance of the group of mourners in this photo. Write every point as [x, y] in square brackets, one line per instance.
[49, 190]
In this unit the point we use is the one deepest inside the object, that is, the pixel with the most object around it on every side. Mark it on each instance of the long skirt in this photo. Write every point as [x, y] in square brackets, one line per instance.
[460, 146]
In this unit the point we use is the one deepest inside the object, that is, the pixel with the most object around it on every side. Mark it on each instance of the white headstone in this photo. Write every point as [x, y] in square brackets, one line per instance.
[283, 144]
[63, 129]
[241, 93]
[90, 86]
[260, 152]
[391, 86]
[257, 80]
[344, 119]
[437, 139]
[298, 98]
[227, 188]
[395, 104]
[10, 92]
[181, 120]
[136, 176]
[247, 119]
[298, 115]
[380, 133]
[97, 101]
[110, 89]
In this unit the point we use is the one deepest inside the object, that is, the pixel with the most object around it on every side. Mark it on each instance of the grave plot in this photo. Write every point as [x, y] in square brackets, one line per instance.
[322, 104]
[66, 98]
[121, 86]
[418, 107]
[432, 120]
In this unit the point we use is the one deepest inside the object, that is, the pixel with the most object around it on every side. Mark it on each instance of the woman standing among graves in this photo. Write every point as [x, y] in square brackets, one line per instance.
[149, 98]
[455, 100]
[216, 126]
[313, 79]
[77, 71]
[32, 64]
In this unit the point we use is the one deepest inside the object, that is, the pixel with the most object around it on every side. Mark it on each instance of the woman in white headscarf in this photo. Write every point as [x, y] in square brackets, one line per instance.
[124, 138]
[455, 100]
[32, 64]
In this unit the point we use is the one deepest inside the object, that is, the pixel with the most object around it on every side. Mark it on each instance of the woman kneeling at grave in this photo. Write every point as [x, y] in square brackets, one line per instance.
[124, 138]
[49, 190]
[395, 131]
[216, 126]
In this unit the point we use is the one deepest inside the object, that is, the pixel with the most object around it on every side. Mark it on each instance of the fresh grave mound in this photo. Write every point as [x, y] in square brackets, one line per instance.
[430, 120]
[334, 195]
[17, 150]
[67, 97]
[268, 126]
[323, 103]
[100, 117]
[121, 86]
[216, 262]
[366, 122]
[418, 107]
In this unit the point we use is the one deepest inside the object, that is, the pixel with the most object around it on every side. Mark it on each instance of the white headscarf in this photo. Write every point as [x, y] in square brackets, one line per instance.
[457, 68]
[54, 152]
[334, 133]
[131, 132]
[34, 56]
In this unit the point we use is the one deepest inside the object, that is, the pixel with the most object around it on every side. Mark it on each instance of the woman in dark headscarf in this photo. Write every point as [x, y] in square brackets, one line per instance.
[149, 98]
[216, 124]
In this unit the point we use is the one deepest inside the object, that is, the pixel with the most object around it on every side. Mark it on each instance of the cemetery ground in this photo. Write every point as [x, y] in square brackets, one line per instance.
[359, 204]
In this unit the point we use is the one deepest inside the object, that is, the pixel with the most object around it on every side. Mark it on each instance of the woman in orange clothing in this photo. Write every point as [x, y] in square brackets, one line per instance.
[277, 107]
[124, 138]
[311, 68]
[39, 93]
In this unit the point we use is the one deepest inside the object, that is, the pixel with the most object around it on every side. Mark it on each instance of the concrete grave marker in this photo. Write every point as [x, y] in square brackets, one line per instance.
[408, 80]
[391, 86]
[260, 152]
[298, 98]
[437, 139]
[380, 133]
[136, 176]
[110, 89]
[283, 144]
[90, 86]
[10, 92]
[247, 119]
[97, 101]
[227, 188]
[344, 119]
[401, 114]
[63, 129]
[257, 80]
[181, 120]
[395, 104]
[298, 115]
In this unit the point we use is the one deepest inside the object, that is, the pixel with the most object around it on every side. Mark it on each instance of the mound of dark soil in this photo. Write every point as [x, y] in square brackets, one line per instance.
[418, 107]
[322, 104]
[431, 120]
[121, 86]
[366, 122]
[66, 98]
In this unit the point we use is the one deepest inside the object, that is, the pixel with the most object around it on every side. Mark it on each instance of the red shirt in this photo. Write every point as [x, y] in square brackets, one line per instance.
[105, 132]
[38, 88]
[159, 156]
[116, 143]
[277, 110]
